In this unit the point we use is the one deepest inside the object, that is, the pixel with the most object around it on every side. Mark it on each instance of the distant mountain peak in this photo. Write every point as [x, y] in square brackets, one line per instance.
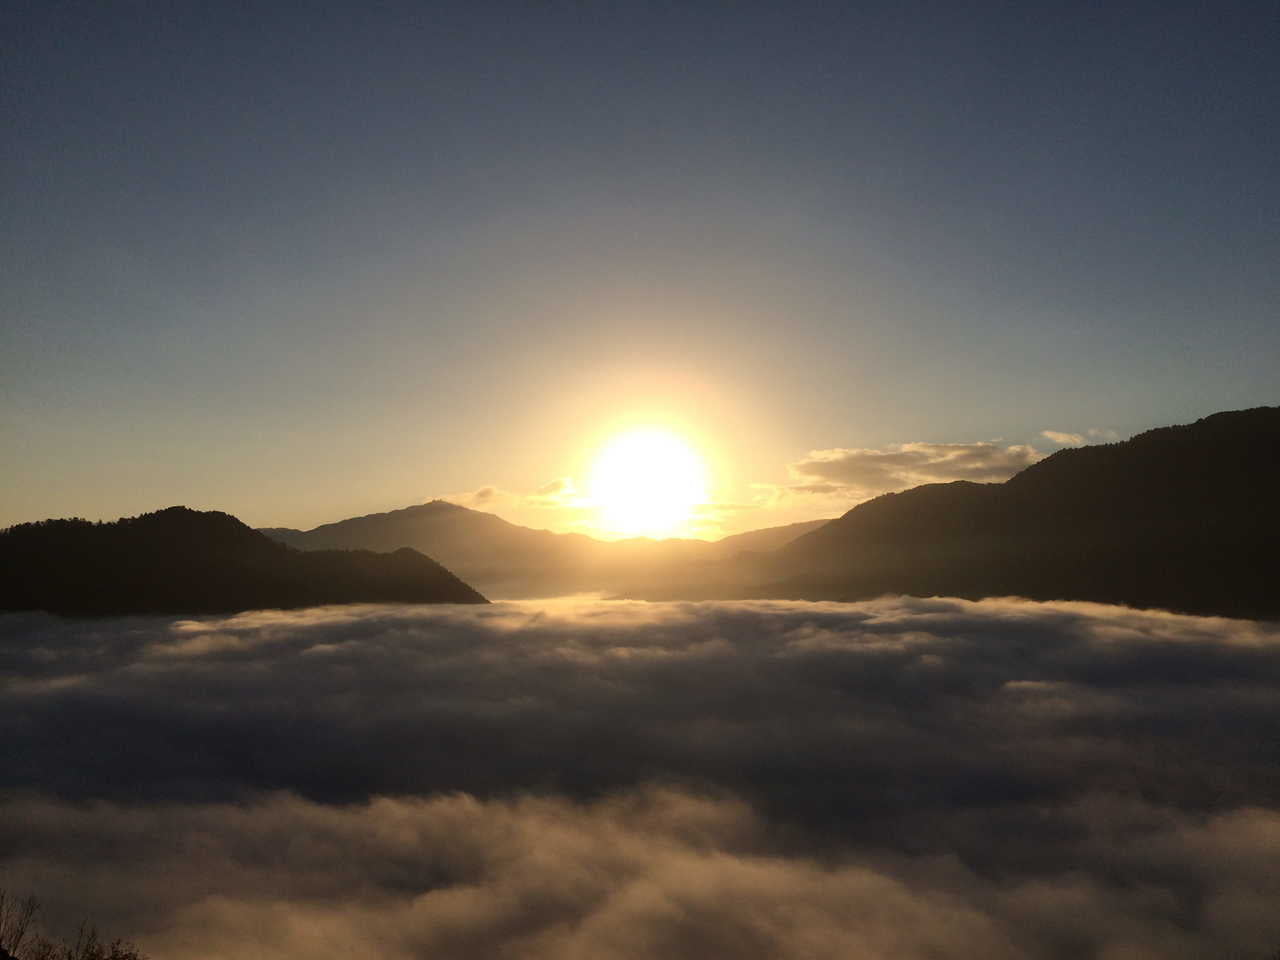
[516, 561]
[443, 506]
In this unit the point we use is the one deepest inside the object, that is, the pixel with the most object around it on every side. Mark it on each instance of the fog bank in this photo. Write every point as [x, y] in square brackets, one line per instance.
[898, 778]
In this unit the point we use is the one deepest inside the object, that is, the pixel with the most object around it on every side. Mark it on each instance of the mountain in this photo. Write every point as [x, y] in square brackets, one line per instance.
[508, 560]
[186, 561]
[765, 539]
[1184, 518]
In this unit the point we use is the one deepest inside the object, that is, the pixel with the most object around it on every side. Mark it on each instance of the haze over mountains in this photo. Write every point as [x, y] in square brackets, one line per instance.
[510, 561]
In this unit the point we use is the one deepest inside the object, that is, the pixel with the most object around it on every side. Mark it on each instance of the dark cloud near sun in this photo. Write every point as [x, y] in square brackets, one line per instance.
[863, 472]
[926, 778]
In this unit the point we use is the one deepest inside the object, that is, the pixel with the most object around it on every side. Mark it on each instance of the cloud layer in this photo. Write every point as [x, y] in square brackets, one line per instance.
[906, 778]
[649, 873]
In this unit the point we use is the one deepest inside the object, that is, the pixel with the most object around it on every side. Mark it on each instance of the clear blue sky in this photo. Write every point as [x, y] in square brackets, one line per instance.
[301, 261]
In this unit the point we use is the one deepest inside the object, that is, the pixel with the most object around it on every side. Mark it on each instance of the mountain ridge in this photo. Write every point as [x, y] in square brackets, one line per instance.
[1182, 517]
[179, 560]
[513, 561]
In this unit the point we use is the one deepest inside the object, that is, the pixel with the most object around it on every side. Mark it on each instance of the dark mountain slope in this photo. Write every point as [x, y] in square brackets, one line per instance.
[765, 539]
[1185, 518]
[185, 561]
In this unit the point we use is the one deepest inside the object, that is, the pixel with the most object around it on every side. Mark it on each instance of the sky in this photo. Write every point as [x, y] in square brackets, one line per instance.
[301, 262]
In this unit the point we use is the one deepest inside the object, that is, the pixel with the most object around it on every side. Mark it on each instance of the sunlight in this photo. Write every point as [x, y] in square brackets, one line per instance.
[646, 483]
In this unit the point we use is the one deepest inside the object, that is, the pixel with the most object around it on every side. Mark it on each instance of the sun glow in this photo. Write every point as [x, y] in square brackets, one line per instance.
[646, 483]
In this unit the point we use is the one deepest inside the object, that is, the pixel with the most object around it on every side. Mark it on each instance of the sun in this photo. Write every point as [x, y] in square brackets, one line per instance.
[646, 483]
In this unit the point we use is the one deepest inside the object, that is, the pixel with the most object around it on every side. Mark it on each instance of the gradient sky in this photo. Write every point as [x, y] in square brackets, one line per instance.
[305, 261]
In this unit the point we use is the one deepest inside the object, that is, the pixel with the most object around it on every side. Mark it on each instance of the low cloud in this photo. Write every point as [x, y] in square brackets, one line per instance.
[642, 874]
[654, 873]
[558, 494]
[904, 777]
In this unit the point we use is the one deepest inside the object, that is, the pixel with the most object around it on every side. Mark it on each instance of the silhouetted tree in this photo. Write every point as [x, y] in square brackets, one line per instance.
[16, 915]
[20, 941]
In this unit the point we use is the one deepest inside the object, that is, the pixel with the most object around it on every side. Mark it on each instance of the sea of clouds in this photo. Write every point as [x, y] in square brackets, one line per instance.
[902, 778]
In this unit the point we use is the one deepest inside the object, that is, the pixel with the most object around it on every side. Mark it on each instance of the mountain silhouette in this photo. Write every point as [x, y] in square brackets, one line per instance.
[187, 561]
[1184, 518]
[508, 560]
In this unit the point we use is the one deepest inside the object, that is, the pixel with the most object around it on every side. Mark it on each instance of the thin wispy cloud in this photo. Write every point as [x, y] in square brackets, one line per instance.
[1062, 438]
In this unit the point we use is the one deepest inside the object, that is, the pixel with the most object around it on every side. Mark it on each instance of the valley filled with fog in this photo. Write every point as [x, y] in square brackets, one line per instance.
[581, 778]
